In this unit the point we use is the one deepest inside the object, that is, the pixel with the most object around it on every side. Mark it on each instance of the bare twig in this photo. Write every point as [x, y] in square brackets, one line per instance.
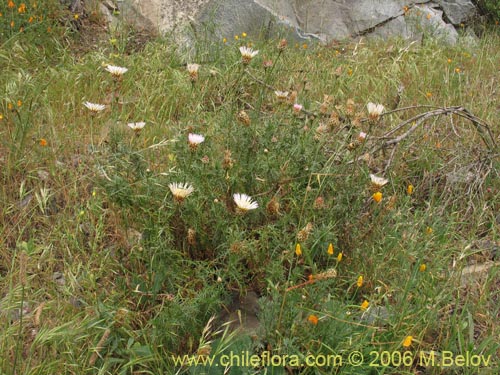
[99, 347]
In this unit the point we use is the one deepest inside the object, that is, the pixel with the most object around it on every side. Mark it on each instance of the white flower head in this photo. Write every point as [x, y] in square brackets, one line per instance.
[374, 110]
[195, 139]
[281, 95]
[362, 136]
[193, 71]
[193, 68]
[244, 202]
[93, 107]
[116, 71]
[377, 181]
[136, 126]
[247, 54]
[180, 190]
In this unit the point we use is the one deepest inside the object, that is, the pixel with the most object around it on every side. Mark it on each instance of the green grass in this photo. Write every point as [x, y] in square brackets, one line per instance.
[115, 277]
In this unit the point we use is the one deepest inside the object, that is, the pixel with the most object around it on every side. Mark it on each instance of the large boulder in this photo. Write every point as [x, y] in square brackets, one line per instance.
[304, 19]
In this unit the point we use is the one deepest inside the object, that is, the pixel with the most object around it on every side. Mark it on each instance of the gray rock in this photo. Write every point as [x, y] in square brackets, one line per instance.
[458, 11]
[303, 19]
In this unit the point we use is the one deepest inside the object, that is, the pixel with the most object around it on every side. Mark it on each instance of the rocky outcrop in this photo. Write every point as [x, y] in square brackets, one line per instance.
[323, 20]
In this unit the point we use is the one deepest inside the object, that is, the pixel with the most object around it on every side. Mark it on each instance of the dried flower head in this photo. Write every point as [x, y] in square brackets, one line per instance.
[193, 71]
[180, 190]
[319, 203]
[247, 54]
[334, 120]
[281, 95]
[374, 111]
[267, 64]
[228, 160]
[244, 203]
[328, 274]
[191, 237]
[116, 71]
[282, 44]
[350, 108]
[273, 207]
[303, 234]
[244, 118]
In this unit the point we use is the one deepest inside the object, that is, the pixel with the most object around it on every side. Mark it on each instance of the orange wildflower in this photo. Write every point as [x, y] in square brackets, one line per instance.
[313, 319]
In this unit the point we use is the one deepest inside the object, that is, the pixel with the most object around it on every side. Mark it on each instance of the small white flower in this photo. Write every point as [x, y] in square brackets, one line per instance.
[374, 110]
[281, 95]
[195, 139]
[94, 107]
[377, 181]
[136, 126]
[116, 71]
[247, 54]
[244, 202]
[180, 190]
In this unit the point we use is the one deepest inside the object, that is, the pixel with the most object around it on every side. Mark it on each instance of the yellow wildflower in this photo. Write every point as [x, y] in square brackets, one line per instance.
[365, 305]
[409, 189]
[407, 341]
[359, 283]
[330, 249]
[377, 197]
[339, 257]
[298, 250]
[422, 267]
